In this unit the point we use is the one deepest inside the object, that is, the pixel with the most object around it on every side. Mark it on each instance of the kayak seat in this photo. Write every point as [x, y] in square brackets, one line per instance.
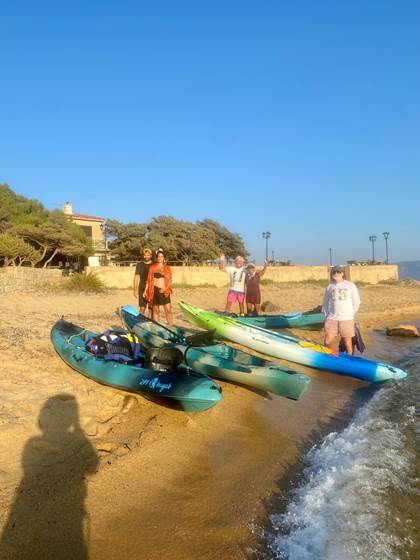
[163, 359]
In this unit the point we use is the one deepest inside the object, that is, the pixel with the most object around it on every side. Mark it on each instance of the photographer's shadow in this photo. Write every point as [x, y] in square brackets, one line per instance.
[48, 518]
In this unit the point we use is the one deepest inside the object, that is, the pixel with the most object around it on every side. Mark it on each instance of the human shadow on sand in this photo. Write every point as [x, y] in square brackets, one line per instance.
[48, 518]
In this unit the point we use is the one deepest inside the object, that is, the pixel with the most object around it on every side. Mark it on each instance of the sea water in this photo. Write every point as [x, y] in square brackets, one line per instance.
[359, 493]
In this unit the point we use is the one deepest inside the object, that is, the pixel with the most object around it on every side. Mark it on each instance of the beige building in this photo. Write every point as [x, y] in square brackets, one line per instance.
[94, 228]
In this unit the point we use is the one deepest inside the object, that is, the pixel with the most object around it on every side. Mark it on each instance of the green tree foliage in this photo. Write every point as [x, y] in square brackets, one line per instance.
[15, 251]
[183, 242]
[14, 208]
[54, 235]
[126, 241]
[48, 232]
[231, 244]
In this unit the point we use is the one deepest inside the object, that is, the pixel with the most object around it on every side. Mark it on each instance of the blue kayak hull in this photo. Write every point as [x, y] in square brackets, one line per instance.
[185, 389]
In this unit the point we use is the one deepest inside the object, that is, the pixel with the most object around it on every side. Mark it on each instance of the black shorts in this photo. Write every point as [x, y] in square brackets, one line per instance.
[159, 298]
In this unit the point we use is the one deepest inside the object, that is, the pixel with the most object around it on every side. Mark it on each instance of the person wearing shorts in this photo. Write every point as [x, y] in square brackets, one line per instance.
[340, 304]
[237, 275]
[159, 288]
[140, 280]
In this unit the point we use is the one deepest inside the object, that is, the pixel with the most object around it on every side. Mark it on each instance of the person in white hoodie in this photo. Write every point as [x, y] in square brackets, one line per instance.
[340, 304]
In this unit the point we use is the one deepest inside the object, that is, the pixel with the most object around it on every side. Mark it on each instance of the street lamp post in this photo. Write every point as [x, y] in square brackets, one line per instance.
[104, 231]
[386, 235]
[266, 235]
[330, 250]
[372, 239]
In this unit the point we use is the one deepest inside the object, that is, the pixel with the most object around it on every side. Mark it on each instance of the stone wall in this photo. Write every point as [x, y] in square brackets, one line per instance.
[14, 279]
[372, 274]
[122, 276]
[17, 278]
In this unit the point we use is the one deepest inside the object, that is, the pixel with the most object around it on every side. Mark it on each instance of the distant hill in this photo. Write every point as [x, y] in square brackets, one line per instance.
[409, 269]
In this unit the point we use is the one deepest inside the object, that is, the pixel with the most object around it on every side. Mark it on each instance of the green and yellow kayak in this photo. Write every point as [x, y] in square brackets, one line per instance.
[291, 348]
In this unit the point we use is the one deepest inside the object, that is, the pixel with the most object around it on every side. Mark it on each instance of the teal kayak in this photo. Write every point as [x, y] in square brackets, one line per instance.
[297, 320]
[188, 390]
[291, 348]
[218, 360]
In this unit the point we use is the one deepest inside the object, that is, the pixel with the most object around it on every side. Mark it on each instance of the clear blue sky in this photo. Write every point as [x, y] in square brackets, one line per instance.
[299, 117]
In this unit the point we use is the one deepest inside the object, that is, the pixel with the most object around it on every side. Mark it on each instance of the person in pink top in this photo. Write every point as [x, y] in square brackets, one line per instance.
[340, 304]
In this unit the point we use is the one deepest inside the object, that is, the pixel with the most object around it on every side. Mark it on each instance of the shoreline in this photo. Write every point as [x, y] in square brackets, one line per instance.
[203, 481]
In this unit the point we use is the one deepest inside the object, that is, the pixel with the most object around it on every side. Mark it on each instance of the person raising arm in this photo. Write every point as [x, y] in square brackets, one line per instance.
[237, 274]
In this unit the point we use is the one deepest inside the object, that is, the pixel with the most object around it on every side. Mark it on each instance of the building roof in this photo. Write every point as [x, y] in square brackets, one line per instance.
[86, 217]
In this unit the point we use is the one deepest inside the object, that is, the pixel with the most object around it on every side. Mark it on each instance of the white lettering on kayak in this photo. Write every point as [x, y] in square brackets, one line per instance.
[154, 383]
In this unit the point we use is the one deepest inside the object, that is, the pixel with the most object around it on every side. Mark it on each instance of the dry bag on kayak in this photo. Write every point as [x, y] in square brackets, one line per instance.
[357, 342]
[118, 346]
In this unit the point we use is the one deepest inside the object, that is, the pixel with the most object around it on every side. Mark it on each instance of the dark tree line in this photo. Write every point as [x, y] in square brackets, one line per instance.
[32, 235]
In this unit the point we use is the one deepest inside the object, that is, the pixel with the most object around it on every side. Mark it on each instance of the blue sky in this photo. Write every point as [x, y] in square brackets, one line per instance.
[300, 118]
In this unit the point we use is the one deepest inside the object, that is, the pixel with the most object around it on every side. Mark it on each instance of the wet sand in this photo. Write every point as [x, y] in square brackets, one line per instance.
[138, 480]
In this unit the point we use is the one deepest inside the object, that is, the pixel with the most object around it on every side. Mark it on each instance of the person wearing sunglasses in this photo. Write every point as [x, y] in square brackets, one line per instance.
[340, 304]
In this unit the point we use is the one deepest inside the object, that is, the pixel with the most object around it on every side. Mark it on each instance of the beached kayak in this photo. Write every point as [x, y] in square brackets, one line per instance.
[291, 348]
[189, 390]
[287, 320]
[218, 360]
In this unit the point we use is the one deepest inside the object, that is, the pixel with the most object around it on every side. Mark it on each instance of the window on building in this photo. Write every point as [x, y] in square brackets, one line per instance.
[87, 230]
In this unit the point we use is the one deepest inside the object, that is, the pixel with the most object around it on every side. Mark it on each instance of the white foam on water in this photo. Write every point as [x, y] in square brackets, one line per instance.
[339, 510]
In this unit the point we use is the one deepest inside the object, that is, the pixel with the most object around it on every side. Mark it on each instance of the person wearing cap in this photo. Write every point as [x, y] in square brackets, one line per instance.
[159, 288]
[252, 283]
[140, 280]
[236, 292]
[340, 304]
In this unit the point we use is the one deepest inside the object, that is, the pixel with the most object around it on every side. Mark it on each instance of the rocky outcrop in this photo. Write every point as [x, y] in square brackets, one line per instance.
[269, 306]
[403, 330]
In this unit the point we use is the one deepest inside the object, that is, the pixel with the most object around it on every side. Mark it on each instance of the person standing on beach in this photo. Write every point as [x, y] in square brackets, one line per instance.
[159, 288]
[340, 304]
[253, 293]
[237, 276]
[140, 280]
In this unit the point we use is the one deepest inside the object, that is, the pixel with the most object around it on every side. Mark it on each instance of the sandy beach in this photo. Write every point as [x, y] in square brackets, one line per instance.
[133, 479]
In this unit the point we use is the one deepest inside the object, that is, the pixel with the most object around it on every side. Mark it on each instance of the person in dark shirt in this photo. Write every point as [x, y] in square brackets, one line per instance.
[140, 280]
[252, 283]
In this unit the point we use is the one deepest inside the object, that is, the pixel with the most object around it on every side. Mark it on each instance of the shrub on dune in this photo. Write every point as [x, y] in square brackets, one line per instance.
[85, 282]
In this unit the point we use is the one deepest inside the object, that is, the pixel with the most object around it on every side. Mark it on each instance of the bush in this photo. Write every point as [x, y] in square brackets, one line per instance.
[183, 286]
[390, 282]
[312, 282]
[85, 282]
[268, 282]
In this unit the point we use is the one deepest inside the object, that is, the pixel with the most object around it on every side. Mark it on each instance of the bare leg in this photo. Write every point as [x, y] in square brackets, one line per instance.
[248, 308]
[155, 313]
[348, 343]
[143, 310]
[241, 307]
[329, 339]
[228, 307]
[168, 313]
[257, 308]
